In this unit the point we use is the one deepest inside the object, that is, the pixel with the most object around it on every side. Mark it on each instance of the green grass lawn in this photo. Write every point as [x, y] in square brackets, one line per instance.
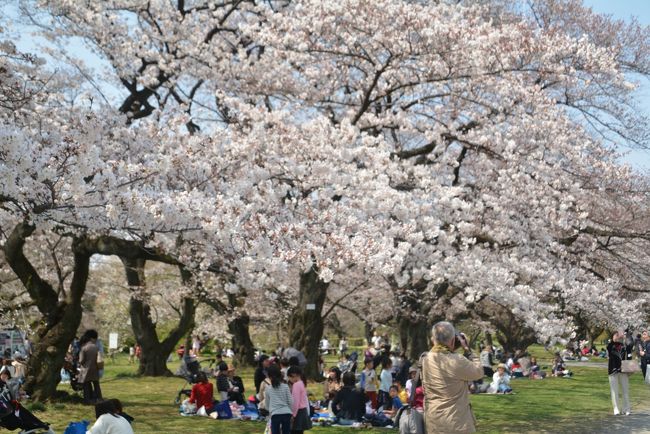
[545, 404]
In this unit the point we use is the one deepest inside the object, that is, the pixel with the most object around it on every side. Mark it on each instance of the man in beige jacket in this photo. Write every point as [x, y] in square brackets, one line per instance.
[445, 377]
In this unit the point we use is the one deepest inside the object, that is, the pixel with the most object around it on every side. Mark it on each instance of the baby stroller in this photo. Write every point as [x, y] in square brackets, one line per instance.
[70, 367]
[189, 368]
[13, 416]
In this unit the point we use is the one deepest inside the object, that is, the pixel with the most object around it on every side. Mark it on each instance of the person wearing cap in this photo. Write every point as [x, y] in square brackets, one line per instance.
[500, 381]
[445, 375]
[409, 383]
[223, 385]
[236, 391]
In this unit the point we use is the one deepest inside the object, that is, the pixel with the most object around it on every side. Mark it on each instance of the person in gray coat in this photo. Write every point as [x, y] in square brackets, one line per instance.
[88, 369]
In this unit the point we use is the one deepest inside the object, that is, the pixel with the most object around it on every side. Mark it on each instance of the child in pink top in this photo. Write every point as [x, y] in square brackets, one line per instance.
[300, 407]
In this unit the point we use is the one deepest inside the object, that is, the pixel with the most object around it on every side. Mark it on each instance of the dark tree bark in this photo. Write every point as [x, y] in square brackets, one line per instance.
[154, 351]
[586, 329]
[242, 344]
[61, 316]
[416, 333]
[510, 332]
[238, 327]
[306, 326]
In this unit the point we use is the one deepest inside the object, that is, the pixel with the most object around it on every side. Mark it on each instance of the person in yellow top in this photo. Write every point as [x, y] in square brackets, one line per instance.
[445, 375]
[401, 393]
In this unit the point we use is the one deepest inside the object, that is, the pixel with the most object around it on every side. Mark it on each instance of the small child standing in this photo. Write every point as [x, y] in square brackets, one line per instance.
[368, 382]
[300, 407]
[278, 401]
[385, 381]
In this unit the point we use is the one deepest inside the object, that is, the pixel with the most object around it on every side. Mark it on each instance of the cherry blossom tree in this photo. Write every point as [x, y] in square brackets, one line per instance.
[460, 150]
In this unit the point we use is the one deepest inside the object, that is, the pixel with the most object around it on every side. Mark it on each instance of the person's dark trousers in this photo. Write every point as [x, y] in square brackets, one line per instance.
[281, 424]
[92, 392]
[644, 365]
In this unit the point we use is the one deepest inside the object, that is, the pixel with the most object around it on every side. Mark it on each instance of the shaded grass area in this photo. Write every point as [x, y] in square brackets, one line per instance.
[555, 404]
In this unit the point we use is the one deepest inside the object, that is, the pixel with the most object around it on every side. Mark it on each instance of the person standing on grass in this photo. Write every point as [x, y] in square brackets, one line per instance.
[300, 406]
[278, 402]
[88, 368]
[385, 381]
[618, 352]
[368, 382]
[644, 351]
[445, 375]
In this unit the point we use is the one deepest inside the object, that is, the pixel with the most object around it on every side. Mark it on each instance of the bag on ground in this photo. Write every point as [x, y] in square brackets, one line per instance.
[77, 427]
[223, 410]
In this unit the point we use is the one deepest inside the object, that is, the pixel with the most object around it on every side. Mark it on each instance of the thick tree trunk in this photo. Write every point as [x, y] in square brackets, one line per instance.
[306, 325]
[61, 317]
[415, 334]
[367, 331]
[242, 344]
[403, 330]
[153, 361]
[488, 339]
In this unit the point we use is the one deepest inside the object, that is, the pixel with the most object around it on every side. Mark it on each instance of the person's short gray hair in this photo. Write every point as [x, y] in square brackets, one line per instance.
[443, 332]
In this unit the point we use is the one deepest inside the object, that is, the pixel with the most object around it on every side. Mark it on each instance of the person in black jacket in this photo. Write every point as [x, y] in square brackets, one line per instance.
[644, 351]
[260, 373]
[236, 392]
[617, 352]
[349, 404]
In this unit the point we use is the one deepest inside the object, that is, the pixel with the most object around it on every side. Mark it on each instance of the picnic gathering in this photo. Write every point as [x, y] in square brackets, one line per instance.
[288, 216]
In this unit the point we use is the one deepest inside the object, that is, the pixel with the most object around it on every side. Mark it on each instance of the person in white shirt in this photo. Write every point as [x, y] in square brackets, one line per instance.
[500, 381]
[108, 420]
[325, 346]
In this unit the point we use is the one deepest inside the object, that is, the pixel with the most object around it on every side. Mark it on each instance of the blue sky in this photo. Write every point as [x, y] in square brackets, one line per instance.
[625, 9]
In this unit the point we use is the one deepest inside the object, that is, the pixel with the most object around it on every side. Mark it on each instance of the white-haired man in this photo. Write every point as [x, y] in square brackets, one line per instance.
[445, 377]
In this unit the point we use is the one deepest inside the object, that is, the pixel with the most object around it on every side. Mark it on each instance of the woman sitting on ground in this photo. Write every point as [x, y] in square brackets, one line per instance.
[236, 392]
[500, 381]
[559, 369]
[333, 383]
[202, 392]
[535, 372]
[349, 404]
[108, 420]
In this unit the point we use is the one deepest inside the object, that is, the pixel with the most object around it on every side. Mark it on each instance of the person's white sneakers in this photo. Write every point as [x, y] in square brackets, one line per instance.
[616, 413]
[627, 413]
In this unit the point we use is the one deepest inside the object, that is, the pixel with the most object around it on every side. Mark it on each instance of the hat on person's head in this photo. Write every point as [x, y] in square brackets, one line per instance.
[501, 365]
[413, 369]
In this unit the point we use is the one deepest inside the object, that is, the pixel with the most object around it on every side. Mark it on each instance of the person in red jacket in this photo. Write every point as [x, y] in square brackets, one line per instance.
[202, 393]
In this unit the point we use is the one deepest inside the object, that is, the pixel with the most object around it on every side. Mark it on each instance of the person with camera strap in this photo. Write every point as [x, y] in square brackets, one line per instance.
[445, 375]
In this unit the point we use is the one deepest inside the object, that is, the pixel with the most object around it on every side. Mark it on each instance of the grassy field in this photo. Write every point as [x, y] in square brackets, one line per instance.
[555, 404]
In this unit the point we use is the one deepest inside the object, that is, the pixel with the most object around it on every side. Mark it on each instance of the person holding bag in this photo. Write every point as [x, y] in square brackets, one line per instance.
[618, 353]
